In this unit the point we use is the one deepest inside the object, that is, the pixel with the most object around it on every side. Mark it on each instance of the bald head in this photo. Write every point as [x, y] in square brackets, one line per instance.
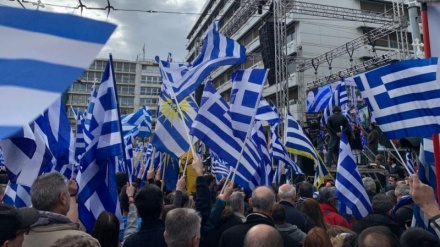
[287, 192]
[263, 200]
[263, 236]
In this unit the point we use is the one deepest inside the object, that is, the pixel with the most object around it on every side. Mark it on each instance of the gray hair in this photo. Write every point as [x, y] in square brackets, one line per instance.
[327, 194]
[401, 189]
[286, 194]
[369, 185]
[46, 189]
[381, 203]
[236, 200]
[181, 225]
[263, 201]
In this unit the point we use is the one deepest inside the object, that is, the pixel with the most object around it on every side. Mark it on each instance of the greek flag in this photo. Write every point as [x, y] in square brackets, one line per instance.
[26, 157]
[97, 184]
[339, 98]
[247, 86]
[297, 142]
[129, 167]
[141, 119]
[279, 151]
[265, 168]
[45, 53]
[321, 98]
[219, 167]
[171, 133]
[427, 176]
[214, 128]
[2, 159]
[404, 97]
[80, 144]
[409, 163]
[59, 137]
[217, 50]
[267, 112]
[349, 187]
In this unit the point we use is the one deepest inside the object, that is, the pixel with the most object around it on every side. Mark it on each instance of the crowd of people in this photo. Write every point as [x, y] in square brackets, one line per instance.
[285, 215]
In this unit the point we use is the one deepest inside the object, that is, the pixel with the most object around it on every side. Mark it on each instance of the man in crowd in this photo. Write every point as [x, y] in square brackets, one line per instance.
[334, 124]
[263, 200]
[55, 201]
[394, 169]
[182, 228]
[382, 206]
[305, 190]
[328, 204]
[149, 205]
[262, 236]
[15, 223]
[378, 236]
[403, 210]
[287, 195]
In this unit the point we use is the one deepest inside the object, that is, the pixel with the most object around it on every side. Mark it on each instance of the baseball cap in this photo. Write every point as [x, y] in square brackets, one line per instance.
[12, 220]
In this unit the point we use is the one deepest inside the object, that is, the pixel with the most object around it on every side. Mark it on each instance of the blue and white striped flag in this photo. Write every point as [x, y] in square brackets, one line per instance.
[59, 137]
[267, 112]
[27, 157]
[298, 143]
[321, 97]
[278, 151]
[247, 86]
[427, 175]
[404, 97]
[97, 185]
[296, 140]
[45, 53]
[213, 127]
[349, 187]
[141, 119]
[217, 50]
[80, 143]
[265, 168]
[339, 98]
[2, 159]
[409, 163]
[219, 167]
[129, 166]
[171, 133]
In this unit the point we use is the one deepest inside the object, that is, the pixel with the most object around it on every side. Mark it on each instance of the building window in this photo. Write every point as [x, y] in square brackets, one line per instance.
[126, 101]
[150, 91]
[148, 69]
[148, 101]
[125, 90]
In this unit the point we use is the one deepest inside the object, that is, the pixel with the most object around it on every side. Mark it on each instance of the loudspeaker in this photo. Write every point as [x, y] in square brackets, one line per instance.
[267, 42]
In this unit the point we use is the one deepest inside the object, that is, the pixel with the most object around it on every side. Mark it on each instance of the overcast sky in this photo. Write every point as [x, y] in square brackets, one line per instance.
[161, 32]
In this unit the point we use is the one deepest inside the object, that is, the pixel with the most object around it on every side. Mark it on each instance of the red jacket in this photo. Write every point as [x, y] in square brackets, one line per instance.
[332, 217]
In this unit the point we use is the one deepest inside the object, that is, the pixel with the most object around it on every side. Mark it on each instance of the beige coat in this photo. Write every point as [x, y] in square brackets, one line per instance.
[47, 235]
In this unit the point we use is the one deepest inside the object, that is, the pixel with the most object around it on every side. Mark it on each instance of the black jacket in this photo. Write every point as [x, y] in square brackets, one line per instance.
[150, 234]
[212, 239]
[334, 123]
[377, 220]
[234, 237]
[296, 217]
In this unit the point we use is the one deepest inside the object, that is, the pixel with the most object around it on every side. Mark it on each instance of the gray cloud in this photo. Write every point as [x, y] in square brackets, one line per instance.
[161, 32]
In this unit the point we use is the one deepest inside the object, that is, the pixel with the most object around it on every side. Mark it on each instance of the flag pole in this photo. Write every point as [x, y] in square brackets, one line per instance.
[400, 157]
[152, 159]
[427, 50]
[112, 71]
